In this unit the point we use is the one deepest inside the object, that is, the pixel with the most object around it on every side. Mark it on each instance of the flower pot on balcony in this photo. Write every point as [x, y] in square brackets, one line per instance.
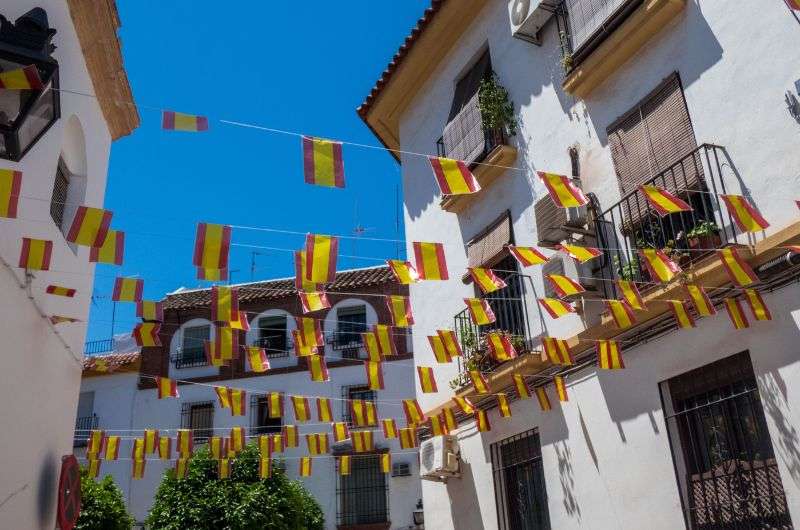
[705, 243]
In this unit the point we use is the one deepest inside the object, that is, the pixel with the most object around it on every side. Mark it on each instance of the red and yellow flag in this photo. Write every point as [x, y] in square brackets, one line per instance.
[557, 351]
[224, 303]
[10, 187]
[630, 294]
[386, 345]
[323, 164]
[739, 271]
[275, 443]
[211, 246]
[441, 354]
[371, 346]
[312, 302]
[563, 192]
[178, 121]
[482, 421]
[449, 419]
[480, 311]
[35, 254]
[478, 382]
[93, 466]
[274, 404]
[561, 388]
[400, 309]
[150, 310]
[311, 331]
[181, 468]
[224, 468]
[226, 343]
[264, 468]
[340, 431]
[386, 462]
[223, 397]
[523, 390]
[291, 438]
[146, 334]
[564, 285]
[344, 465]
[57, 290]
[403, 271]
[681, 312]
[25, 78]
[408, 438]
[500, 347]
[736, 314]
[486, 280]
[300, 281]
[527, 256]
[437, 425]
[556, 308]
[413, 412]
[503, 406]
[661, 268]
[363, 413]
[111, 448]
[151, 440]
[453, 176]
[744, 214]
[389, 427]
[374, 375]
[127, 290]
[94, 444]
[240, 322]
[544, 400]
[430, 261]
[464, 404]
[427, 381]
[89, 226]
[259, 362]
[581, 254]
[212, 275]
[702, 304]
[363, 441]
[317, 443]
[757, 306]
[301, 349]
[621, 312]
[609, 356]
[450, 342]
[237, 439]
[664, 202]
[324, 410]
[166, 387]
[321, 255]
[164, 448]
[317, 368]
[238, 398]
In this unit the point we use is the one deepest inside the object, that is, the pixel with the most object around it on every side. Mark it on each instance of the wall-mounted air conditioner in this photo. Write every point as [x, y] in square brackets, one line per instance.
[529, 16]
[438, 458]
[555, 224]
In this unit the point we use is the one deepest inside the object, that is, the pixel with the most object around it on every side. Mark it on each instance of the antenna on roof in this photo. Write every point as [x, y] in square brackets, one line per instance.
[358, 229]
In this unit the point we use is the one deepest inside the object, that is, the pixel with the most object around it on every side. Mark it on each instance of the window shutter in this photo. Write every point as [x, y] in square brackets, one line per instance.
[489, 247]
[463, 136]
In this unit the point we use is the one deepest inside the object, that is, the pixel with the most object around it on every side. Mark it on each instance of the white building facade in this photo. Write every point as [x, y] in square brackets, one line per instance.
[60, 143]
[700, 428]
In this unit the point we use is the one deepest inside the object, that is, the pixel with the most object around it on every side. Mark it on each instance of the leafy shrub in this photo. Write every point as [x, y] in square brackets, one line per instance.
[102, 505]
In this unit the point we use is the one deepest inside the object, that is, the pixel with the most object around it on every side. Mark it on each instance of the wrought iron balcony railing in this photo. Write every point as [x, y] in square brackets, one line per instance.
[348, 342]
[98, 346]
[83, 425]
[189, 357]
[275, 347]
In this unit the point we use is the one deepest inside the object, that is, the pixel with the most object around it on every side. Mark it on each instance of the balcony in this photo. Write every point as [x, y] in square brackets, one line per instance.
[348, 342]
[189, 357]
[98, 346]
[83, 426]
[276, 347]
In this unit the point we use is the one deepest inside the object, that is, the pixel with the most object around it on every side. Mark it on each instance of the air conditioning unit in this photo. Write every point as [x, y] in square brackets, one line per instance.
[555, 224]
[529, 16]
[439, 459]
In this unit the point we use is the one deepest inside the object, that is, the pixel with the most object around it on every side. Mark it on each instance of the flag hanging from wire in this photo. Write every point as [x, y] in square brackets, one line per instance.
[413, 412]
[89, 226]
[661, 268]
[212, 246]
[389, 427]
[317, 368]
[449, 419]
[464, 404]
[57, 290]
[238, 399]
[212, 275]
[527, 256]
[178, 121]
[224, 303]
[450, 342]
[503, 406]
[738, 270]
[35, 254]
[479, 382]
[664, 202]
[340, 431]
[453, 176]
[482, 421]
[324, 410]
[437, 425]
[564, 285]
[556, 308]
[486, 280]
[609, 356]
[403, 271]
[344, 465]
[370, 342]
[311, 331]
[240, 322]
[480, 311]
[150, 310]
[151, 439]
[323, 164]
[291, 438]
[744, 214]
[93, 466]
[181, 468]
[223, 397]
[111, 449]
[441, 355]
[757, 305]
[363, 441]
[264, 468]
[237, 439]
[313, 301]
[217, 447]
[561, 388]
[164, 448]
[408, 438]
[146, 334]
[736, 314]
[317, 443]
[127, 290]
[561, 189]
[301, 349]
[300, 282]
[10, 188]
[374, 375]
[579, 253]
[166, 387]
[621, 312]
[430, 262]
[427, 381]
[25, 78]
[321, 255]
[700, 300]
[275, 405]
[500, 347]
[523, 390]
[630, 294]
[363, 413]
[681, 313]
[224, 468]
[259, 362]
[544, 400]
[557, 351]
[400, 310]
[94, 444]
[384, 334]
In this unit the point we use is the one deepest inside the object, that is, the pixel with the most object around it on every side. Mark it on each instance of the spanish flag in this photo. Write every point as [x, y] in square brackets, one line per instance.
[757, 306]
[321, 255]
[374, 375]
[302, 412]
[630, 294]
[464, 404]
[305, 466]
[25, 78]
[503, 406]
[523, 390]
[291, 438]
[10, 187]
[240, 322]
[322, 162]
[736, 314]
[408, 438]
[527, 256]
[217, 446]
[238, 399]
[275, 404]
[400, 309]
[151, 440]
[149, 310]
[224, 303]
[609, 357]
[661, 268]
[450, 342]
[223, 397]
[137, 471]
[389, 428]
[427, 382]
[482, 421]
[146, 334]
[340, 431]
[744, 214]
[181, 467]
[226, 342]
[370, 342]
[403, 271]
[311, 331]
[563, 192]
[739, 271]
[363, 413]
[35, 254]
[544, 401]
[561, 388]
[324, 410]
[166, 387]
[128, 290]
[238, 441]
[664, 202]
[437, 426]
[265, 445]
[211, 246]
[702, 304]
[681, 312]
[581, 254]
[212, 275]
[224, 468]
[57, 290]
[317, 443]
[93, 465]
[164, 448]
[137, 451]
[259, 362]
[312, 302]
[94, 444]
[556, 308]
[557, 351]
[565, 286]
[111, 448]
[486, 280]
[439, 352]
[386, 462]
[177, 121]
[479, 382]
[500, 347]
[89, 226]
[386, 345]
[264, 468]
[363, 441]
[300, 281]
[430, 261]
[449, 419]
[453, 176]
[413, 412]
[301, 349]
[276, 443]
[621, 312]
[317, 368]
[344, 465]
[480, 311]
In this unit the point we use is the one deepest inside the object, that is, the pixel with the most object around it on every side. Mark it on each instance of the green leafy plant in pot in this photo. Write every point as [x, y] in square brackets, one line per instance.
[704, 235]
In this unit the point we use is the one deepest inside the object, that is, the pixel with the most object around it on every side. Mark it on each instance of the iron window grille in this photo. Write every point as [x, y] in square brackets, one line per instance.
[722, 450]
[354, 392]
[98, 346]
[199, 417]
[363, 495]
[351, 323]
[192, 351]
[519, 486]
[60, 193]
[260, 422]
[82, 427]
[272, 336]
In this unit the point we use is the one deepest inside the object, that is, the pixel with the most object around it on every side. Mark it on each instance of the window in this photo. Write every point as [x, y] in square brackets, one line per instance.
[363, 494]
[272, 336]
[519, 488]
[199, 417]
[86, 419]
[722, 450]
[401, 469]
[351, 323]
[507, 303]
[193, 351]
[354, 392]
[585, 18]
[60, 192]
[261, 422]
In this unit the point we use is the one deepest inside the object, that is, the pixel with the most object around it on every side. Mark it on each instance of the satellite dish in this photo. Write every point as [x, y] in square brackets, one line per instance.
[519, 11]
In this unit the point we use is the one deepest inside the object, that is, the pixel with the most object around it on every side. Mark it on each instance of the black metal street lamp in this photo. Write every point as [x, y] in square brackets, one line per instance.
[25, 115]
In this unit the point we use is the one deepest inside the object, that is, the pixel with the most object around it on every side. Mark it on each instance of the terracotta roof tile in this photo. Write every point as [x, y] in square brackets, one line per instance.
[109, 362]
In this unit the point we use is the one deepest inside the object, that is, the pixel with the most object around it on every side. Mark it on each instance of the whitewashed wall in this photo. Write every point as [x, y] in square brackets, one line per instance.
[40, 377]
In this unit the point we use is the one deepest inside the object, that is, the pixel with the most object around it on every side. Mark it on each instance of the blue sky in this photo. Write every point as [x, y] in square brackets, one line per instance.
[298, 66]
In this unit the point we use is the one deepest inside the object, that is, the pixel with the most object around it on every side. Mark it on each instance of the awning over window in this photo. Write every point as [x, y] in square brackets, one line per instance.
[489, 246]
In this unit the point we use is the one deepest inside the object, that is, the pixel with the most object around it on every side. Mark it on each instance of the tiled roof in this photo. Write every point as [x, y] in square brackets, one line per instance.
[416, 32]
[109, 362]
[274, 289]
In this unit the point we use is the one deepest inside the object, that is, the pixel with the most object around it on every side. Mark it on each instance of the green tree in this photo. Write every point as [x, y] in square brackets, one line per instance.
[202, 501]
[102, 505]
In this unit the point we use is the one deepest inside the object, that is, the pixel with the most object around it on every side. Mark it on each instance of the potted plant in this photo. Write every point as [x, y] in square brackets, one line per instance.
[704, 236]
[497, 111]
